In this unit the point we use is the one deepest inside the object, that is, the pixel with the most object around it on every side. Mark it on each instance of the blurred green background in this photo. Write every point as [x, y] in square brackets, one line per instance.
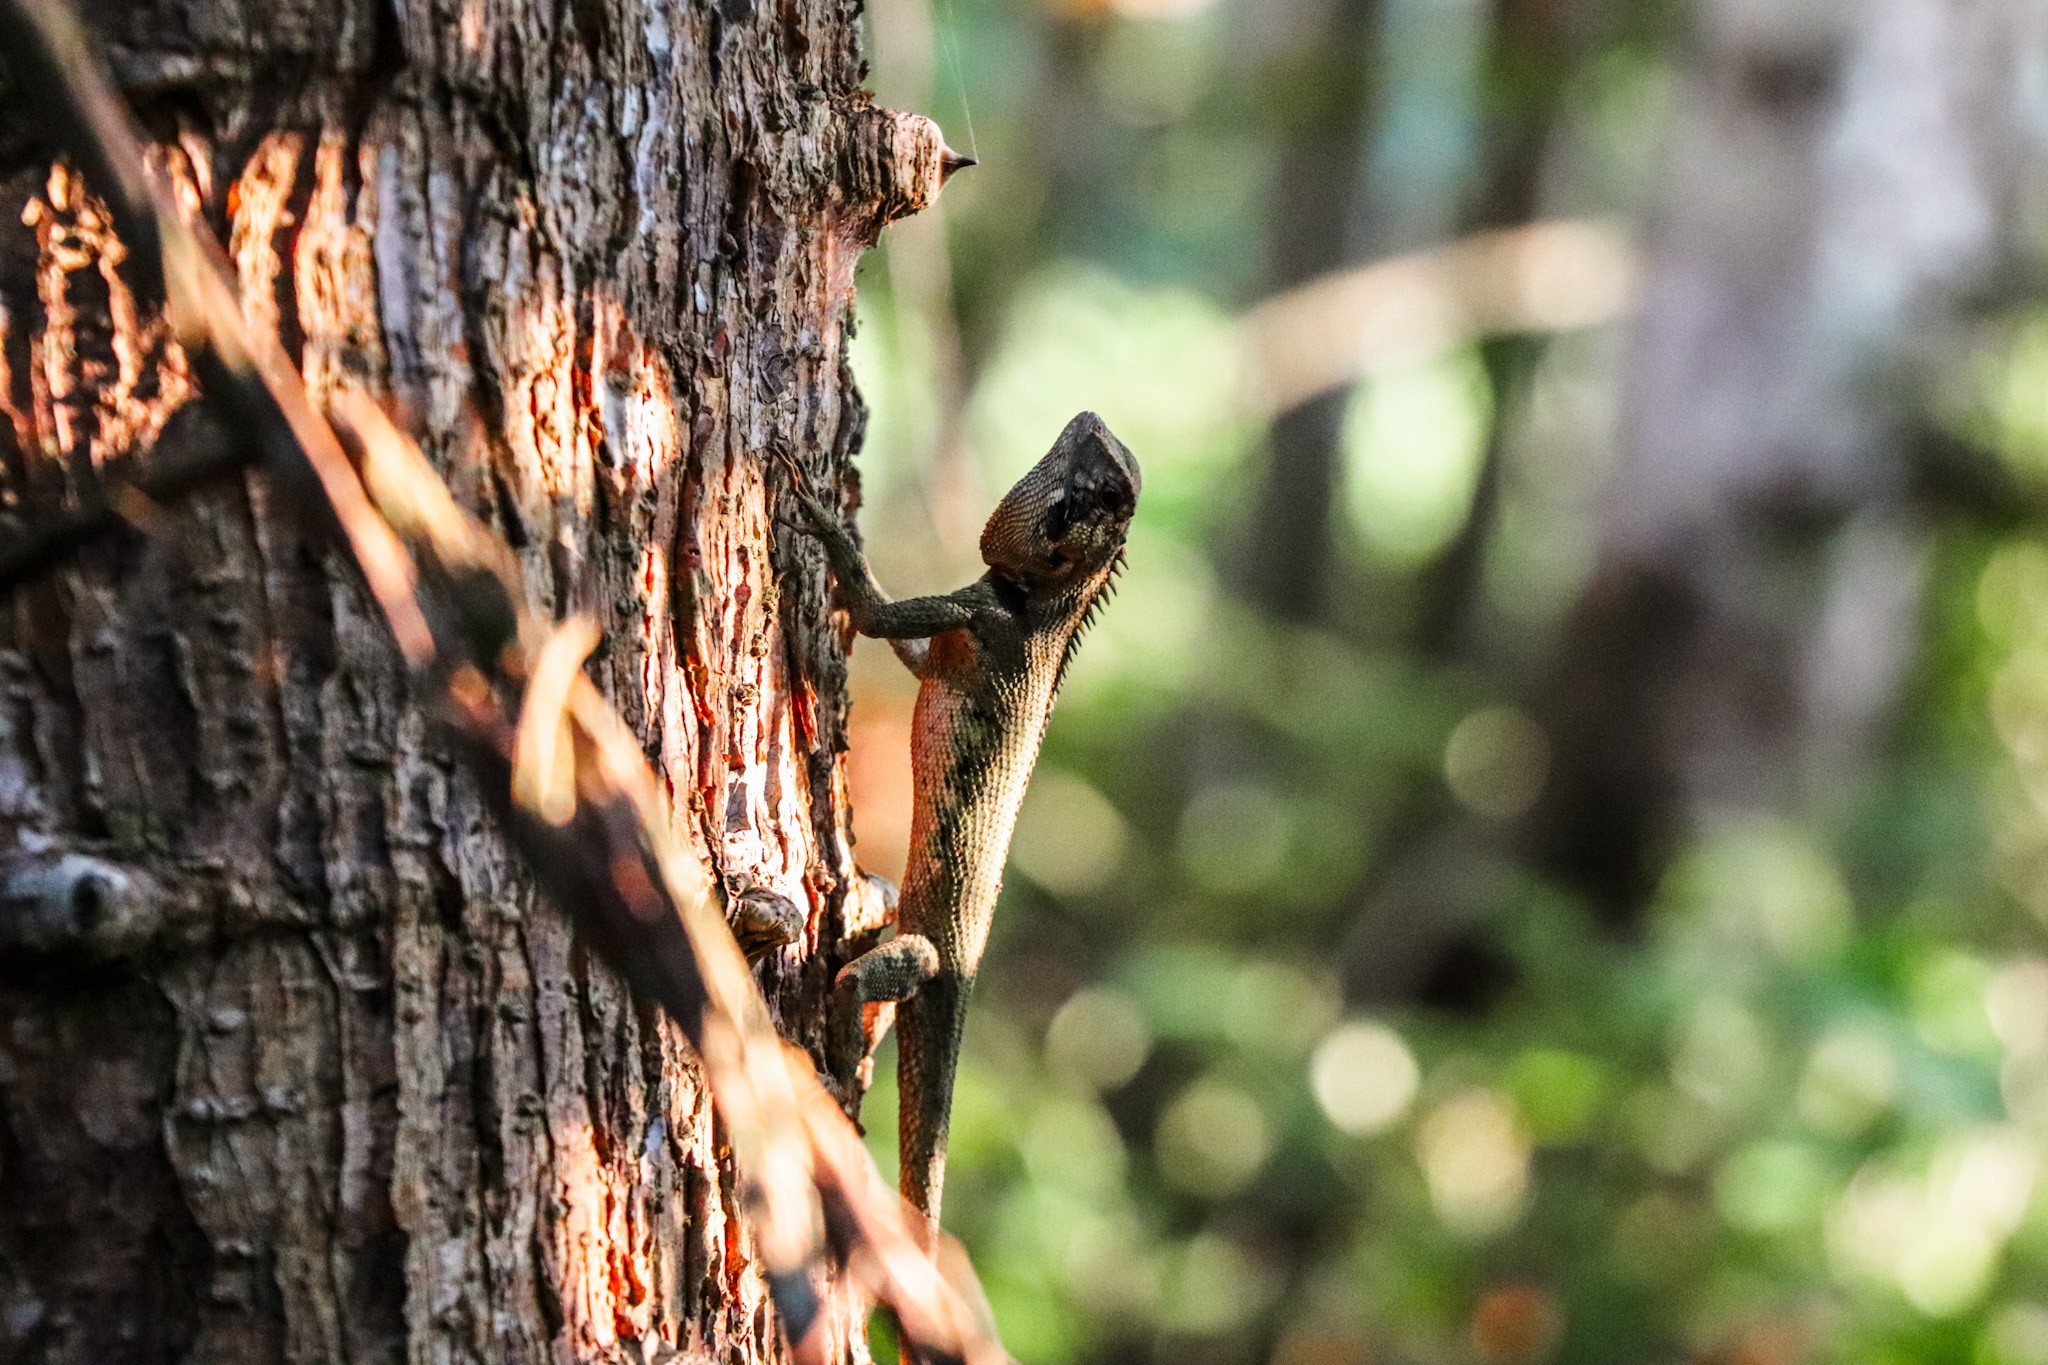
[1400, 961]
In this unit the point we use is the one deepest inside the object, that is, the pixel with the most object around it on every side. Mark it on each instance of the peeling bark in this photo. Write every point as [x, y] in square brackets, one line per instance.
[294, 1066]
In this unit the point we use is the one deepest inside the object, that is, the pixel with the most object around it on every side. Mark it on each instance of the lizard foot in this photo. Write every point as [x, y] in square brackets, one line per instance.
[864, 997]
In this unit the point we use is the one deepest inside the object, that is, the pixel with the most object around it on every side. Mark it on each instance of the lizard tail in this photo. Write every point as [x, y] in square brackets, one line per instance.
[929, 1026]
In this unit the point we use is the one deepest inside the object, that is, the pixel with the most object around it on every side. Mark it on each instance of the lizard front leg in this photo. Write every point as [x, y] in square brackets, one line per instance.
[903, 622]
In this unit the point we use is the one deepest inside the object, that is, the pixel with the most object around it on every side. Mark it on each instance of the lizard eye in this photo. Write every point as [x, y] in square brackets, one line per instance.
[1111, 499]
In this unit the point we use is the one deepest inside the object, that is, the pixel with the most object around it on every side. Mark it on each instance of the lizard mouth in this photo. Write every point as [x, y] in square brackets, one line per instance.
[1101, 459]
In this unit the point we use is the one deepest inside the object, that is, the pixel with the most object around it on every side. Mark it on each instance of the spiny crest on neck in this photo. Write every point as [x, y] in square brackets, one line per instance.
[1097, 598]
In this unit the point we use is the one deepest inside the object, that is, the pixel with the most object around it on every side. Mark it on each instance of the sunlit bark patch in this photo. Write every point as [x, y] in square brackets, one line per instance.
[105, 377]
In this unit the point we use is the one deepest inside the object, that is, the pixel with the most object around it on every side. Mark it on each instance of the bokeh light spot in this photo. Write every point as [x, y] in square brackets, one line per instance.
[2017, 1005]
[1765, 880]
[1939, 1237]
[1658, 1236]
[2012, 591]
[1950, 997]
[1495, 762]
[2016, 1335]
[1771, 1187]
[1212, 1139]
[1099, 1037]
[1278, 1009]
[1234, 837]
[1216, 1285]
[1475, 1158]
[1364, 1077]
[1514, 1324]
[1557, 1092]
[1069, 839]
[1851, 1077]
[1414, 439]
[1722, 1056]
[1070, 1144]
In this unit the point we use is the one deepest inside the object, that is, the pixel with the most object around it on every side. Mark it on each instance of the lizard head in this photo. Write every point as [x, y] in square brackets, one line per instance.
[1063, 524]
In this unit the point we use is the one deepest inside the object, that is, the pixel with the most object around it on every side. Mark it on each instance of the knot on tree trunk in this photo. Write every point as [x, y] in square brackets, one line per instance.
[73, 906]
[892, 165]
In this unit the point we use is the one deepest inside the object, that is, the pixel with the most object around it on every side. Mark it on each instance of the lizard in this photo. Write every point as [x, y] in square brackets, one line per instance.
[989, 658]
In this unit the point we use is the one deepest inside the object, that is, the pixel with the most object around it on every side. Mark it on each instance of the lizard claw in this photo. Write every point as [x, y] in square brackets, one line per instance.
[812, 518]
[815, 518]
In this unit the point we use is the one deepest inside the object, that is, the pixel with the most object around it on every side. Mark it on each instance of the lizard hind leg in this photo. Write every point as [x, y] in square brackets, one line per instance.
[884, 975]
[889, 971]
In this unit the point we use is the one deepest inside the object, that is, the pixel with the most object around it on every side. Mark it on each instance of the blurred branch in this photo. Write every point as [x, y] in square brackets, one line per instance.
[600, 838]
[1332, 332]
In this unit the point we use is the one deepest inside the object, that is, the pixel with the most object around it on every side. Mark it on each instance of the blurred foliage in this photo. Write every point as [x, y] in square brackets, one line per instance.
[1797, 1114]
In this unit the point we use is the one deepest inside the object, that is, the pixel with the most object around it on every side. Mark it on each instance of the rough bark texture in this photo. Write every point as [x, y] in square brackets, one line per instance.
[293, 1065]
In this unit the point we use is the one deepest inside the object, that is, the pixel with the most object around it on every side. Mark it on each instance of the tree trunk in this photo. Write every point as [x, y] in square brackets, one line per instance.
[1288, 559]
[294, 1064]
[1847, 177]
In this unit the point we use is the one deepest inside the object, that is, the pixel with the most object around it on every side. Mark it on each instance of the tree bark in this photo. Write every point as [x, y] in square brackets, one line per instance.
[294, 1064]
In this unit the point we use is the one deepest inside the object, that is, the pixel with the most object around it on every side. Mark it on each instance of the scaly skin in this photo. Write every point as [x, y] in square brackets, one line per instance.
[990, 657]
